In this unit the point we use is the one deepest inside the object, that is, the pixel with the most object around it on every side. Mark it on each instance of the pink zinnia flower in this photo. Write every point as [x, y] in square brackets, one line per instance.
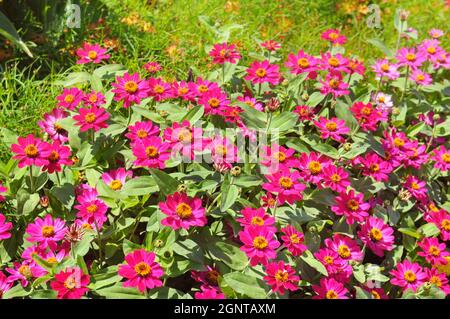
[256, 217]
[431, 49]
[433, 251]
[116, 178]
[159, 89]
[71, 283]
[91, 208]
[311, 166]
[151, 152]
[57, 155]
[70, 98]
[345, 247]
[152, 67]
[334, 36]
[442, 158]
[281, 277]
[222, 52]
[332, 128]
[420, 77]
[91, 53]
[4, 228]
[410, 57]
[373, 165]
[46, 232]
[130, 89]
[181, 90]
[214, 102]
[51, 126]
[334, 85]
[201, 87]
[408, 275]
[305, 113]
[263, 72]
[142, 130]
[285, 184]
[302, 62]
[222, 150]
[383, 102]
[183, 211]
[251, 101]
[368, 116]
[93, 118]
[184, 138]
[5, 284]
[356, 66]
[141, 270]
[352, 206]
[334, 63]
[336, 267]
[383, 68]
[293, 240]
[259, 244]
[442, 220]
[3, 189]
[277, 155]
[24, 272]
[94, 99]
[329, 288]
[30, 151]
[209, 293]
[438, 279]
[416, 187]
[377, 235]
[270, 45]
[209, 278]
[335, 178]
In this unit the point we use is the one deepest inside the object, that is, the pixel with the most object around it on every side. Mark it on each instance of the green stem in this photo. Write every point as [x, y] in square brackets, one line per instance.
[406, 83]
[58, 178]
[99, 242]
[31, 180]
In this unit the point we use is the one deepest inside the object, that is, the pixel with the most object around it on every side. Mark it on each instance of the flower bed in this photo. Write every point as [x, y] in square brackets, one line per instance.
[300, 177]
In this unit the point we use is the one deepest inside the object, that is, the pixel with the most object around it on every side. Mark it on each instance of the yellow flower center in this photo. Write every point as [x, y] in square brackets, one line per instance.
[366, 110]
[25, 271]
[436, 281]
[409, 276]
[93, 98]
[353, 205]
[86, 226]
[142, 269]
[92, 54]
[281, 156]
[329, 260]
[70, 283]
[53, 157]
[31, 150]
[410, 57]
[52, 260]
[344, 251]
[399, 142]
[115, 184]
[415, 186]
[221, 150]
[90, 118]
[374, 168]
[376, 234]
[435, 251]
[446, 157]
[420, 77]
[182, 90]
[69, 98]
[261, 72]
[260, 242]
[331, 294]
[315, 167]
[257, 221]
[159, 89]
[333, 62]
[286, 182]
[381, 99]
[445, 224]
[213, 102]
[151, 152]
[385, 67]
[131, 87]
[303, 63]
[333, 35]
[333, 83]
[183, 210]
[282, 276]
[331, 126]
[295, 239]
[142, 133]
[375, 294]
[336, 178]
[92, 208]
[48, 231]
[431, 50]
[202, 88]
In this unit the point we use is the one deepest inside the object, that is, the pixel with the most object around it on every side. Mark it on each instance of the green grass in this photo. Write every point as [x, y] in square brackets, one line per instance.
[27, 90]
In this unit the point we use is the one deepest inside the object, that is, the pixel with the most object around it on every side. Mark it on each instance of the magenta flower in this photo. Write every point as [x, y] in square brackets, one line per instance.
[222, 52]
[311, 166]
[377, 235]
[256, 217]
[223, 151]
[184, 139]
[259, 244]
[93, 118]
[51, 126]
[151, 152]
[94, 99]
[302, 62]
[57, 155]
[202, 87]
[383, 68]
[334, 36]
[30, 151]
[368, 116]
[420, 77]
[46, 232]
[24, 272]
[293, 240]
[142, 130]
[433, 251]
[71, 283]
[91, 208]
[335, 178]
[408, 275]
[214, 102]
[159, 89]
[271, 45]
[334, 85]
[130, 89]
[209, 293]
[141, 270]
[5, 227]
[438, 279]
[91, 53]
[116, 178]
[263, 72]
[281, 277]
[152, 67]
[277, 155]
[70, 98]
[208, 278]
[3, 189]
[374, 166]
[183, 211]
[345, 247]
[441, 158]
[332, 128]
[5, 284]
[334, 63]
[352, 206]
[410, 57]
[285, 184]
[441, 219]
[336, 267]
[329, 288]
[416, 187]
[181, 90]
[251, 101]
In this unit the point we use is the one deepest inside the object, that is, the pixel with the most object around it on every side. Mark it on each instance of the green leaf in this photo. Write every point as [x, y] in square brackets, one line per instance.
[8, 30]
[252, 117]
[119, 292]
[284, 121]
[314, 99]
[245, 284]
[16, 292]
[129, 246]
[194, 114]
[138, 186]
[247, 181]
[82, 247]
[166, 183]
[410, 232]
[227, 253]
[413, 130]
[362, 294]
[429, 230]
[308, 258]
[381, 46]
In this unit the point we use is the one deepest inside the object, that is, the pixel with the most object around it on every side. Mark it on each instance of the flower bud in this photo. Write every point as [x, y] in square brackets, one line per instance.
[395, 111]
[305, 96]
[158, 243]
[273, 104]
[236, 171]
[43, 201]
[182, 188]
[347, 147]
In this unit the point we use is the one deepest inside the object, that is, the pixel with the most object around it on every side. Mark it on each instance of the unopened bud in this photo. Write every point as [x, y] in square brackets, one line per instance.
[395, 111]
[273, 105]
[347, 147]
[159, 243]
[182, 188]
[404, 15]
[236, 171]
[44, 201]
[305, 96]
